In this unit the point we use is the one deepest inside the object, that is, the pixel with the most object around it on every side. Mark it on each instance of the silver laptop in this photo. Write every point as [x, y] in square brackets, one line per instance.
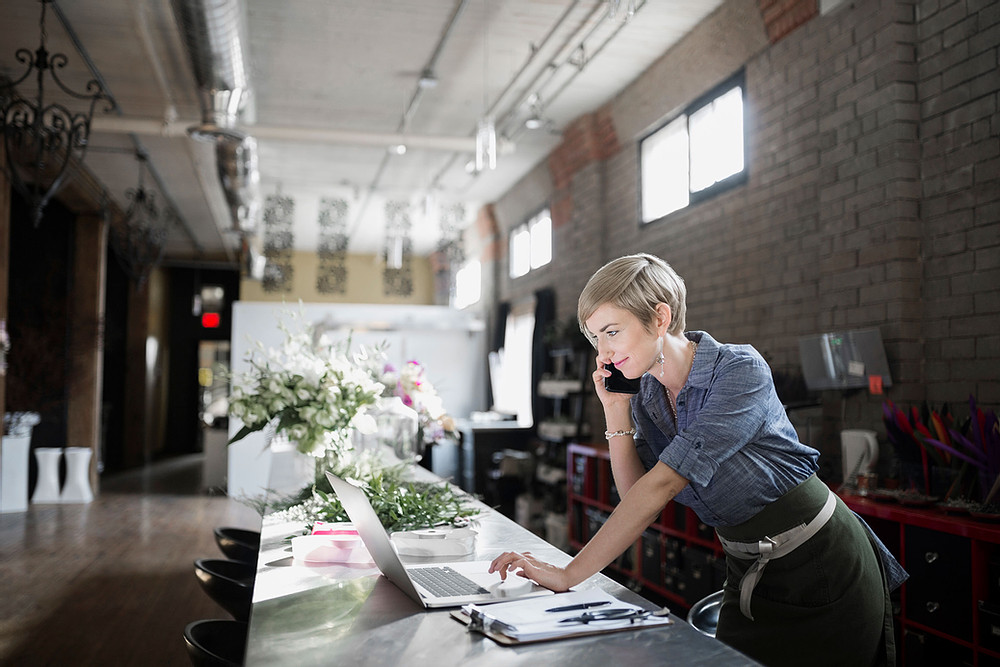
[431, 585]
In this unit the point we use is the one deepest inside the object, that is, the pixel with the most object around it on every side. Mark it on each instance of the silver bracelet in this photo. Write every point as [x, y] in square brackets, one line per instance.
[608, 434]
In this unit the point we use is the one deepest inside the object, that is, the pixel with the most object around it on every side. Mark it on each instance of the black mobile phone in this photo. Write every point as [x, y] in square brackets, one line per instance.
[619, 383]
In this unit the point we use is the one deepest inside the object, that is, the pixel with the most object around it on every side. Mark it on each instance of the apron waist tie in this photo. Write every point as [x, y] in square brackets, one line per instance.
[771, 548]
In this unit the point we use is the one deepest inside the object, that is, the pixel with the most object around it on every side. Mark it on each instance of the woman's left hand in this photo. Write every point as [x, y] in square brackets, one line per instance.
[525, 565]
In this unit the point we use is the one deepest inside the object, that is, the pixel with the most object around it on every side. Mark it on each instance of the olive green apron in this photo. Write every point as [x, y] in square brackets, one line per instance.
[824, 603]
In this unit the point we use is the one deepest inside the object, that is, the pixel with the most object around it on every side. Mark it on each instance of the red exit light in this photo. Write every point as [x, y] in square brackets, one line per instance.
[210, 320]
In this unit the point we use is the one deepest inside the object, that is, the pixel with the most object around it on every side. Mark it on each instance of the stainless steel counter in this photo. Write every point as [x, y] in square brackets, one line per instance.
[348, 615]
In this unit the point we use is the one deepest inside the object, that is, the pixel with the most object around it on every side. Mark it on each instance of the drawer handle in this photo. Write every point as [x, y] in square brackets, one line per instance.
[930, 556]
[933, 607]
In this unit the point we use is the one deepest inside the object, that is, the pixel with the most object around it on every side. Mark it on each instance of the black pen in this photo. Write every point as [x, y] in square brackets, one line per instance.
[583, 605]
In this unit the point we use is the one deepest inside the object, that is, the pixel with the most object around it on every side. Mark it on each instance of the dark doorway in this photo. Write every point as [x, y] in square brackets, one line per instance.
[201, 311]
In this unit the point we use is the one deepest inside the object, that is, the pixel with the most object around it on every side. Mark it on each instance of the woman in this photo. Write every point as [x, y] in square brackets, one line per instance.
[807, 583]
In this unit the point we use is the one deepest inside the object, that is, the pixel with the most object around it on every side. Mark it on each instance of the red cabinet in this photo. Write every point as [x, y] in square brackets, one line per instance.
[948, 611]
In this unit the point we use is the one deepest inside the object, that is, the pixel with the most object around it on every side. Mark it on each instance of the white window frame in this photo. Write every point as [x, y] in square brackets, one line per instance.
[696, 154]
[530, 244]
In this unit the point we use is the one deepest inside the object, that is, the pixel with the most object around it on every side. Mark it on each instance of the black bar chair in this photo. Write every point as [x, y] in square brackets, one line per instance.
[216, 642]
[238, 543]
[229, 583]
[704, 615]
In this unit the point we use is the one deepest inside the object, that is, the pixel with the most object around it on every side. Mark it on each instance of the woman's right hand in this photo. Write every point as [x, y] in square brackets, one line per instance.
[512, 563]
[609, 399]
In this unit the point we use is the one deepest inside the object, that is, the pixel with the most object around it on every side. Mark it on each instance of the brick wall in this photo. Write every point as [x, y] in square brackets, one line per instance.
[873, 197]
[958, 74]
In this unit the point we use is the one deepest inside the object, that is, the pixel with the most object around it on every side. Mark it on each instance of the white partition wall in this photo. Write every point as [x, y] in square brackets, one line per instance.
[450, 344]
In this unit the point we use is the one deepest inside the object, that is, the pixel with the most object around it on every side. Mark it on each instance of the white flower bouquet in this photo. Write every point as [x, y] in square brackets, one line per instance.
[308, 389]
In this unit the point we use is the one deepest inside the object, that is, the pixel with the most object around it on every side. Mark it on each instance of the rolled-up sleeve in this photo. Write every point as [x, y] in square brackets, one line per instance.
[731, 413]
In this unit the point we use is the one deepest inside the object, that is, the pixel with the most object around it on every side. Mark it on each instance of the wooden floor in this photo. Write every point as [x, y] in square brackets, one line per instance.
[112, 582]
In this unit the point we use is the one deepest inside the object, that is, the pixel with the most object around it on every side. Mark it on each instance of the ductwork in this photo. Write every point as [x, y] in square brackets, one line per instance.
[214, 35]
[236, 160]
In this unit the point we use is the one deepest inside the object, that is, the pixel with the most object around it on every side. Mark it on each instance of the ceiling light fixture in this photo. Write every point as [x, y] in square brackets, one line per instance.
[138, 240]
[427, 80]
[621, 11]
[486, 129]
[397, 274]
[42, 138]
[398, 149]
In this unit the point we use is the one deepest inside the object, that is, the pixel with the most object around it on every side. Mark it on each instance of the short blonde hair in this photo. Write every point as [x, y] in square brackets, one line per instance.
[636, 283]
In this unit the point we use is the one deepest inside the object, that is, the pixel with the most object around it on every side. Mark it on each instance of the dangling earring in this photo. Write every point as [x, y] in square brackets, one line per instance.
[659, 354]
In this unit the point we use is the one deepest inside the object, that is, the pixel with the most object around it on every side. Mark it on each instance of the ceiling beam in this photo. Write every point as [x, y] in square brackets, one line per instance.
[179, 128]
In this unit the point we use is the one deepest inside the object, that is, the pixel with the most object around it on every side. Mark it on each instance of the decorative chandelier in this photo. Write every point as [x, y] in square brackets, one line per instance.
[279, 213]
[331, 278]
[397, 276]
[42, 138]
[139, 239]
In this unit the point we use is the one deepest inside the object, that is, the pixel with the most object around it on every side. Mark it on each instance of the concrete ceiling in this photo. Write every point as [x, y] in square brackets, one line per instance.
[333, 84]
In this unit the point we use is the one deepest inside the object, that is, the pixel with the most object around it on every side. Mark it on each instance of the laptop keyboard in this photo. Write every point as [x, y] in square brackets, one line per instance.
[445, 582]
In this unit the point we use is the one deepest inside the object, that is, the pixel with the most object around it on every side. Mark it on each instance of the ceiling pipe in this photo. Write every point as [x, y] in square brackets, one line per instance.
[426, 75]
[179, 128]
[549, 73]
[214, 34]
[536, 52]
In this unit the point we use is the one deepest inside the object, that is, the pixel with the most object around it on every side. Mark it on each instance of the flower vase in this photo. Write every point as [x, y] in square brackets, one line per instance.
[334, 454]
[396, 427]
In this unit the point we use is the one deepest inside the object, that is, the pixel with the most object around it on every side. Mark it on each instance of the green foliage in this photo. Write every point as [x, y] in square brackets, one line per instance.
[399, 503]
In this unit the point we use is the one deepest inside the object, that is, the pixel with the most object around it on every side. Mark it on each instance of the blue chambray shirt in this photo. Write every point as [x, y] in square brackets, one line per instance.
[733, 441]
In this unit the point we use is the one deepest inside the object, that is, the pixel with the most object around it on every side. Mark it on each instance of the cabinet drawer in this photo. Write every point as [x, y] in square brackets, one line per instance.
[937, 593]
[652, 556]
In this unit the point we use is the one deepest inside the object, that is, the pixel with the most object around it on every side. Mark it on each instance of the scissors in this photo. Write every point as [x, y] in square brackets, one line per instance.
[620, 614]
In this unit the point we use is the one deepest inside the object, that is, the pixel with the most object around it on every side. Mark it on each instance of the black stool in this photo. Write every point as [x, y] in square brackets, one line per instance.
[238, 543]
[704, 615]
[216, 642]
[228, 582]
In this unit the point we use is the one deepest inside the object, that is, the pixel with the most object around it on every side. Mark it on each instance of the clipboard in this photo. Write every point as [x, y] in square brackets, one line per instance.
[480, 622]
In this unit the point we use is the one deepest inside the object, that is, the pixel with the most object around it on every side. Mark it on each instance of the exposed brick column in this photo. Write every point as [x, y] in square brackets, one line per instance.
[783, 16]
[86, 326]
[589, 139]
[137, 450]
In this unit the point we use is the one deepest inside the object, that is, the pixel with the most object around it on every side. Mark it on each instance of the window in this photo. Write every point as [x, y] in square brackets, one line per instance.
[531, 244]
[695, 155]
[468, 285]
[510, 367]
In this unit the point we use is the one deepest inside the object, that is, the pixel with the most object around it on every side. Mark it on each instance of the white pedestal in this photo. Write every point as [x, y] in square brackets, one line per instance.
[47, 485]
[14, 473]
[77, 487]
[213, 470]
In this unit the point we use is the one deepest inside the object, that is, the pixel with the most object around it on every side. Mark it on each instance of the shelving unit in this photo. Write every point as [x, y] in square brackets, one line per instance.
[948, 612]
[563, 392]
[678, 558]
